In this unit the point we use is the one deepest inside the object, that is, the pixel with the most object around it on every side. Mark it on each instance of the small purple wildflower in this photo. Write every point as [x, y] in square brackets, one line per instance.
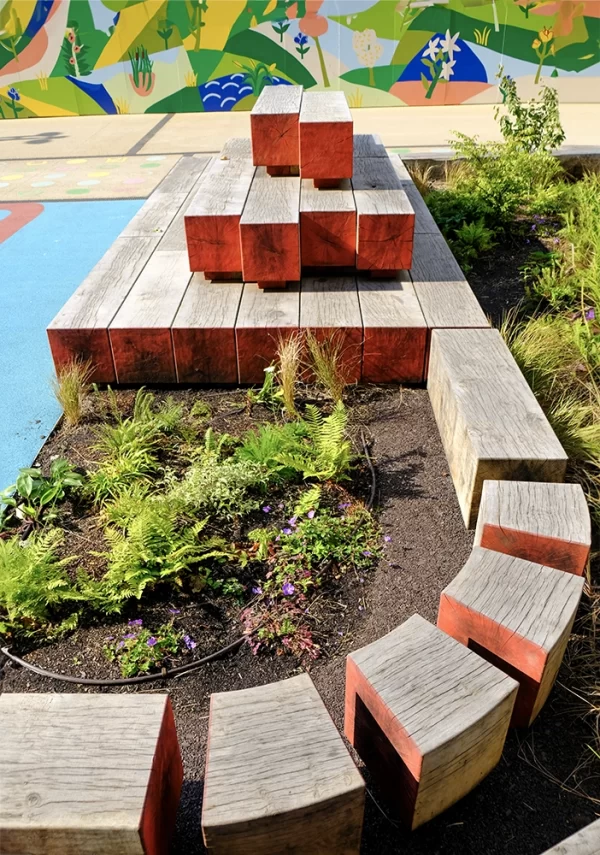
[175, 611]
[556, 240]
[288, 589]
[151, 641]
[361, 608]
[278, 537]
[527, 241]
[292, 521]
[590, 315]
[367, 552]
[343, 505]
[257, 590]
[189, 642]
[286, 530]
[137, 622]
[310, 514]
[110, 638]
[387, 538]
[533, 228]
[128, 636]
[120, 644]
[267, 509]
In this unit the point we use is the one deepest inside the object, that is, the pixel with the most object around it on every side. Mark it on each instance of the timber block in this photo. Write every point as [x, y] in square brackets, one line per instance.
[584, 842]
[427, 716]
[517, 615]
[264, 318]
[327, 226]
[546, 523]
[395, 330]
[268, 793]
[212, 220]
[274, 126]
[490, 423]
[84, 774]
[385, 217]
[326, 136]
[236, 147]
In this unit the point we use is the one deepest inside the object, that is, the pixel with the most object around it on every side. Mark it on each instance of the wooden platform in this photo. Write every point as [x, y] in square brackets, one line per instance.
[584, 842]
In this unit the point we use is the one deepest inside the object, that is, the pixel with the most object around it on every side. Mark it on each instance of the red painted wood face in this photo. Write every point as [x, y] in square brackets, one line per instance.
[275, 140]
[326, 150]
[394, 355]
[86, 345]
[270, 252]
[549, 551]
[143, 355]
[328, 239]
[385, 241]
[205, 355]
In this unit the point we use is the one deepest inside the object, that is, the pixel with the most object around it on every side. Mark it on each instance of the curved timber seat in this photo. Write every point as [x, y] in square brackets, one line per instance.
[84, 774]
[584, 842]
[516, 614]
[546, 523]
[427, 716]
[278, 775]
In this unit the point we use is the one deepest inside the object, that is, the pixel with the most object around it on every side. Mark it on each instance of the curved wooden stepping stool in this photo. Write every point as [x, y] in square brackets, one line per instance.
[279, 778]
[428, 717]
[88, 774]
[546, 523]
[516, 614]
[584, 842]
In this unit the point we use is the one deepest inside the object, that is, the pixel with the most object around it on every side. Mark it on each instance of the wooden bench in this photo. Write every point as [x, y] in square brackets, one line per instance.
[278, 775]
[212, 220]
[264, 317]
[424, 222]
[516, 614]
[203, 332]
[327, 226]
[326, 138]
[84, 774]
[489, 420]
[140, 333]
[395, 331]
[385, 217]
[546, 523]
[369, 145]
[584, 842]
[270, 231]
[274, 125]
[427, 716]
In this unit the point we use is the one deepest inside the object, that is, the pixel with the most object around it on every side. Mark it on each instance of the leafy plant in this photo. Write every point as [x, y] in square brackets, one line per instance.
[141, 69]
[534, 125]
[74, 51]
[281, 27]
[265, 445]
[34, 497]
[326, 454]
[269, 394]
[257, 74]
[139, 650]
[165, 31]
[70, 387]
[470, 241]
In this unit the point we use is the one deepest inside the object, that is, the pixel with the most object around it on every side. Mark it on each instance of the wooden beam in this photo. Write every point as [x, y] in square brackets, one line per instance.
[183, 175]
[327, 226]
[326, 136]
[385, 217]
[270, 230]
[274, 125]
[263, 318]
[298, 796]
[546, 523]
[489, 420]
[236, 147]
[174, 237]
[88, 773]
[329, 307]
[424, 222]
[584, 842]
[369, 145]
[204, 332]
[140, 334]
[212, 220]
[516, 614]
[395, 331]
[427, 716]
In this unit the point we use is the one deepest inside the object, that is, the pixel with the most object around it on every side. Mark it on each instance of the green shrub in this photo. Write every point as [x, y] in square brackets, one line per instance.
[33, 497]
[139, 650]
[534, 125]
[470, 241]
[326, 454]
[226, 488]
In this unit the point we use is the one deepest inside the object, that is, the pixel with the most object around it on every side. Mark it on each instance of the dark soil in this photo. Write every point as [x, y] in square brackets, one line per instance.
[521, 807]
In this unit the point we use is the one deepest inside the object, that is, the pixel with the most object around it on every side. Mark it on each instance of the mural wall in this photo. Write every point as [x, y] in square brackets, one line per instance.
[80, 57]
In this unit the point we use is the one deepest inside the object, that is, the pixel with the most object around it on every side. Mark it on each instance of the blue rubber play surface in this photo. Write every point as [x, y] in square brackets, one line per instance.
[41, 265]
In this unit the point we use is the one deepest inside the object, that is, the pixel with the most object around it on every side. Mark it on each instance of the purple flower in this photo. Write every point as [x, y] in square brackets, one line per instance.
[189, 642]
[128, 636]
[292, 522]
[343, 505]
[286, 530]
[137, 622]
[110, 638]
[288, 589]
[175, 611]
[120, 644]
[367, 552]
[387, 538]
[590, 315]
[556, 240]
[533, 227]
[267, 509]
[151, 641]
[257, 590]
[310, 514]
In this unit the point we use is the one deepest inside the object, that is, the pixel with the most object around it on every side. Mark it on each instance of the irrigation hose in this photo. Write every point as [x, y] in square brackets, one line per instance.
[371, 501]
[130, 681]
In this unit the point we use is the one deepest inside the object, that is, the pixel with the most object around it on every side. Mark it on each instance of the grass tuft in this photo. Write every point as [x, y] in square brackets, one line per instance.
[70, 386]
[289, 357]
[328, 361]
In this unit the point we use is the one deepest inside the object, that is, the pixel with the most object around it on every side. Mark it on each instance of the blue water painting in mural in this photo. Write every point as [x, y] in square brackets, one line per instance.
[223, 93]
[97, 92]
[467, 66]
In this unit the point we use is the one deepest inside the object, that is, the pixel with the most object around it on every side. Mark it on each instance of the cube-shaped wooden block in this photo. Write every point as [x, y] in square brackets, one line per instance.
[274, 124]
[327, 226]
[516, 614]
[326, 137]
[546, 523]
[84, 774]
[427, 716]
[278, 775]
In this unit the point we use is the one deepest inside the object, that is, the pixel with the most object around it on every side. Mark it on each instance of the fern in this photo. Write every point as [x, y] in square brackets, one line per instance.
[266, 445]
[308, 501]
[328, 454]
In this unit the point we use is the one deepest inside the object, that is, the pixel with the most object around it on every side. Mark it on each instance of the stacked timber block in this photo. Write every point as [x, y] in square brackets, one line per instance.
[517, 615]
[83, 774]
[278, 775]
[584, 842]
[427, 716]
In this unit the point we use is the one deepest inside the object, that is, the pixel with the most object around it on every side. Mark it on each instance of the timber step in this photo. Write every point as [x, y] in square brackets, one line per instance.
[427, 716]
[546, 523]
[326, 138]
[274, 126]
[489, 420]
[84, 774]
[518, 615]
[584, 842]
[278, 775]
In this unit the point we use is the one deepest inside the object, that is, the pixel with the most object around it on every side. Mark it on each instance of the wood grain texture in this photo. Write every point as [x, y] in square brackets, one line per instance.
[329, 307]
[203, 332]
[212, 220]
[302, 796]
[140, 333]
[80, 329]
[174, 238]
[270, 230]
[274, 124]
[327, 226]
[450, 305]
[385, 217]
[519, 612]
[439, 708]
[433, 260]
[326, 136]
[424, 222]
[236, 147]
[545, 523]
[489, 420]
[584, 842]
[183, 175]
[263, 318]
[101, 773]
[395, 331]
[369, 145]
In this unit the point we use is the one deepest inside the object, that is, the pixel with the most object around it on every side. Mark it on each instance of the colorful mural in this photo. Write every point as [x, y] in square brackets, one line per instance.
[80, 57]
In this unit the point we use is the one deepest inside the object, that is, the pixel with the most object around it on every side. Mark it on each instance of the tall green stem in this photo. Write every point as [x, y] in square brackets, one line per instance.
[322, 61]
[434, 82]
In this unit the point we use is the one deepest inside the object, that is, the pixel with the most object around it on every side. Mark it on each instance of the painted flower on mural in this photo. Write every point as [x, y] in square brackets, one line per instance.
[438, 58]
[303, 46]
[449, 44]
[315, 25]
[368, 50]
[13, 94]
[14, 97]
[73, 52]
[544, 47]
